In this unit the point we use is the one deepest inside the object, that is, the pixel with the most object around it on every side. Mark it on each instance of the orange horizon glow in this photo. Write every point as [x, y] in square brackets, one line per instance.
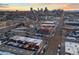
[24, 7]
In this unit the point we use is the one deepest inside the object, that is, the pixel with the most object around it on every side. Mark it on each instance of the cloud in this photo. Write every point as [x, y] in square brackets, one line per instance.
[3, 5]
[19, 4]
[74, 6]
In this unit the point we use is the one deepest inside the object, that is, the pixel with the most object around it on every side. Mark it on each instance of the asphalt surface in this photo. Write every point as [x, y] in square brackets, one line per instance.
[57, 39]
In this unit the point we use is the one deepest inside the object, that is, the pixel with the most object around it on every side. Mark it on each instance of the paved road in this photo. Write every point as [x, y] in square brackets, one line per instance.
[57, 39]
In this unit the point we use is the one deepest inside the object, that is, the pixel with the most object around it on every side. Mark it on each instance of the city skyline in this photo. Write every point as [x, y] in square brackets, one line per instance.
[27, 6]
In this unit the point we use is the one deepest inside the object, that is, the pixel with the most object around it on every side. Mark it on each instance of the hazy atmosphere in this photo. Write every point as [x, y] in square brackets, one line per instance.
[26, 6]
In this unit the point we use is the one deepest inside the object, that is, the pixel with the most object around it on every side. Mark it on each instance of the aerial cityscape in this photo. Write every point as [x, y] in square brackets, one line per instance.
[39, 29]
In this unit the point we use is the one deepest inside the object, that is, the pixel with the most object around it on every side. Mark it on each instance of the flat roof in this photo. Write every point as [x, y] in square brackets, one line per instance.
[49, 22]
[76, 22]
[21, 28]
[70, 47]
[6, 53]
[27, 39]
[15, 50]
[72, 39]
[71, 27]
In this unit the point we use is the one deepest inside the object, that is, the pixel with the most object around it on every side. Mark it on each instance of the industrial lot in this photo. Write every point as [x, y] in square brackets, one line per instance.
[39, 32]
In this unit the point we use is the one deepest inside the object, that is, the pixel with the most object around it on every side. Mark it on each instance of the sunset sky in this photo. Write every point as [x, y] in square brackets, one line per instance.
[24, 7]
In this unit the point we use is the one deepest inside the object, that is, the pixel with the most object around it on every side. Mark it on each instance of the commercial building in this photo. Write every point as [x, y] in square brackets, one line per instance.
[71, 36]
[23, 45]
